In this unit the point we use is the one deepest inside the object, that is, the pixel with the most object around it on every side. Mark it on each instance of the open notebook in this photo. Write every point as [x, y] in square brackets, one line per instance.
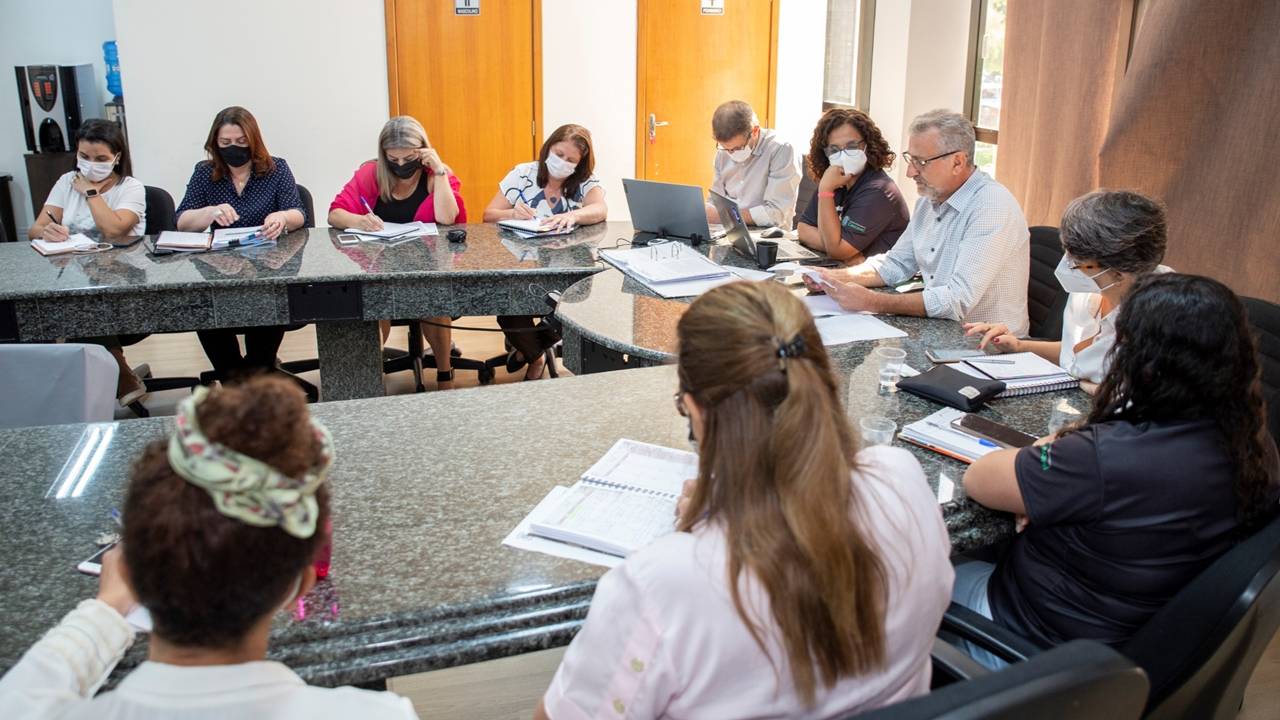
[1023, 373]
[219, 239]
[77, 242]
[623, 502]
[934, 432]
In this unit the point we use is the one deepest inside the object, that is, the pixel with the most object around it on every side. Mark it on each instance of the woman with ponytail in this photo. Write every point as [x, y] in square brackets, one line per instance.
[806, 577]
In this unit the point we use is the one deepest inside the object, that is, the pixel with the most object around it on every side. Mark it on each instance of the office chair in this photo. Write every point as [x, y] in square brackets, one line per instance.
[804, 196]
[1080, 679]
[161, 216]
[1046, 300]
[1200, 649]
[1264, 318]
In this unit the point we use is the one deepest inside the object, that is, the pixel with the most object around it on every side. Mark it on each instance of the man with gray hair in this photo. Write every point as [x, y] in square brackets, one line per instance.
[754, 168]
[967, 238]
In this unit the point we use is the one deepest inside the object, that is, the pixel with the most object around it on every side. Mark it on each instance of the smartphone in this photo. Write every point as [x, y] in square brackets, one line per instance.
[951, 355]
[1002, 435]
[93, 565]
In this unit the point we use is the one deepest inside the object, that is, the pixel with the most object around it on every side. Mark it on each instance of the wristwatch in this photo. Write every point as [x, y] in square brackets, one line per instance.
[91, 192]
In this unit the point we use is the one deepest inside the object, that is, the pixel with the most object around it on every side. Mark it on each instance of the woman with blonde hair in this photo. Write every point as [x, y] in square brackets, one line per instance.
[806, 577]
[408, 182]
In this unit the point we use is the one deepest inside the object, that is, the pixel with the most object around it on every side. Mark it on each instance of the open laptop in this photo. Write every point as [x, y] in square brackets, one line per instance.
[666, 210]
[737, 233]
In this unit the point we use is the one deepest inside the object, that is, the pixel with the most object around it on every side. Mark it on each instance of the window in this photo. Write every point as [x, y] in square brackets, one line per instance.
[847, 79]
[987, 79]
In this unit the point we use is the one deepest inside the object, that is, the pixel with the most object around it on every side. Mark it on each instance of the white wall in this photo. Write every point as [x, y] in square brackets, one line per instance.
[313, 72]
[591, 81]
[919, 63]
[57, 32]
[801, 62]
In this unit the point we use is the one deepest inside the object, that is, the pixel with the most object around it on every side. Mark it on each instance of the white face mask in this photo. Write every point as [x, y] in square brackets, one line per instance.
[853, 162]
[1074, 280]
[558, 167]
[742, 154]
[95, 171]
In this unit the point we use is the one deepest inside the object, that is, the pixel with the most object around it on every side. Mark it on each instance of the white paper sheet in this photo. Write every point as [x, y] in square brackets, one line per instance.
[396, 230]
[520, 539]
[841, 329]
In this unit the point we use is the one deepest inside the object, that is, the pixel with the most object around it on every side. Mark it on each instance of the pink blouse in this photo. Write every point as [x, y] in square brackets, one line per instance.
[364, 184]
[663, 640]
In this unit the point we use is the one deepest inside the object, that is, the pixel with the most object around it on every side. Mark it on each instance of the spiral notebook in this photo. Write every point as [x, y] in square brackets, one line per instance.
[1023, 373]
[624, 502]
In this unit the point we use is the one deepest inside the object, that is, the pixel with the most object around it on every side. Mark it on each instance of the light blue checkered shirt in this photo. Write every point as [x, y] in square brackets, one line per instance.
[973, 251]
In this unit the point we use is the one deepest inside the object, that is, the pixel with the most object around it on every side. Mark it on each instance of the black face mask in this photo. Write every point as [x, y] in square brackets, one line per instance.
[235, 155]
[406, 170]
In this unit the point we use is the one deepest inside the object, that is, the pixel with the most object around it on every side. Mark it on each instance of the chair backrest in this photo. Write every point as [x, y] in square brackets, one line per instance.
[805, 195]
[1201, 648]
[160, 211]
[1079, 679]
[308, 207]
[1264, 318]
[56, 384]
[1046, 300]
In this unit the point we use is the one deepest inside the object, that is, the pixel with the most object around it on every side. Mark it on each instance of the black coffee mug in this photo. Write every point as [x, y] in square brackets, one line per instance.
[766, 253]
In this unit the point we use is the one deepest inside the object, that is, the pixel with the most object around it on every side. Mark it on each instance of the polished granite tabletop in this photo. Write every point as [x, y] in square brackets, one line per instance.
[425, 489]
[306, 255]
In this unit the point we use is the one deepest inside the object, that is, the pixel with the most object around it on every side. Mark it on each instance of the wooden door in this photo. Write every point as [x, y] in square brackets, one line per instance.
[474, 81]
[689, 61]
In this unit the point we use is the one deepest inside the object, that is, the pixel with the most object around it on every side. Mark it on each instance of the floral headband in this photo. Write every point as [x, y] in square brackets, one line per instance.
[242, 487]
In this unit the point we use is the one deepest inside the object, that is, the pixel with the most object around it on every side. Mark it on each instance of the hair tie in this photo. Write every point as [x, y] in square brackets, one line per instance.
[793, 349]
[245, 488]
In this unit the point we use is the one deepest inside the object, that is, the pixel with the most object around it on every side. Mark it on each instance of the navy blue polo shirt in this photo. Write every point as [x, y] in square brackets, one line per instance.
[263, 194]
[872, 213]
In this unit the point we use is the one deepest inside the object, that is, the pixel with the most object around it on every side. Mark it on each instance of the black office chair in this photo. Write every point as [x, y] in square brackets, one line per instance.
[1200, 649]
[1046, 300]
[1264, 318]
[804, 196]
[1081, 679]
[161, 216]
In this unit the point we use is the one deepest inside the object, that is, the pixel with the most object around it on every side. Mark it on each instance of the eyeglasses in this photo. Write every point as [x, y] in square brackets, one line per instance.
[919, 164]
[854, 145]
[678, 396]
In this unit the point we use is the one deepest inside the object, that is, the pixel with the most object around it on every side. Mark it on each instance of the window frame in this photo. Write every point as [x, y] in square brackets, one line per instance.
[862, 64]
[973, 79]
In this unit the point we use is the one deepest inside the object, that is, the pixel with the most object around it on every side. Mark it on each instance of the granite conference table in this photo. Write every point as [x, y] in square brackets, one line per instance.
[308, 276]
[425, 488]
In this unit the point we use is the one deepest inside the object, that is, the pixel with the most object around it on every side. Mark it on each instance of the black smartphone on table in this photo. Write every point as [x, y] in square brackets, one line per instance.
[1002, 435]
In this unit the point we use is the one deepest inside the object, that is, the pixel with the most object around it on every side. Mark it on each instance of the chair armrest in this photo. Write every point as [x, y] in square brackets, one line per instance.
[954, 663]
[1004, 644]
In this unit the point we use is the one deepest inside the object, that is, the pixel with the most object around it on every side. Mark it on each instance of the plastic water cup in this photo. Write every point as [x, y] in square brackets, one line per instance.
[877, 430]
[889, 364]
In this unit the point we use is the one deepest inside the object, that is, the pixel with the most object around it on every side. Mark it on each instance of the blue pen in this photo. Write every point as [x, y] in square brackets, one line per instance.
[115, 515]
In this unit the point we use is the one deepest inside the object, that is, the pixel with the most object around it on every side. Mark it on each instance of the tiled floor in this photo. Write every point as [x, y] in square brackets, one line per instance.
[180, 354]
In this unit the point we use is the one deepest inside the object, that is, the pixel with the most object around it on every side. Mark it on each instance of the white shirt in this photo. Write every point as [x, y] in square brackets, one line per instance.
[973, 251]
[765, 184]
[1081, 319]
[58, 676]
[127, 194]
[663, 640]
[521, 186]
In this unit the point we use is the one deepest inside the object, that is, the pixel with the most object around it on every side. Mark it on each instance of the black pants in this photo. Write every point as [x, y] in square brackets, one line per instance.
[260, 343]
[530, 344]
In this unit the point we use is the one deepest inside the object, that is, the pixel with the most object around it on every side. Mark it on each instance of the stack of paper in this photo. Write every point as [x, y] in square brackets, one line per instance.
[395, 231]
[673, 270]
[224, 238]
[935, 433]
[1023, 373]
[78, 242]
[526, 229]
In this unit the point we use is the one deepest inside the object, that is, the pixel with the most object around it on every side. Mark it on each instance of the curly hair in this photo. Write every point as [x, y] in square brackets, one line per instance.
[1184, 351]
[207, 578]
[879, 156]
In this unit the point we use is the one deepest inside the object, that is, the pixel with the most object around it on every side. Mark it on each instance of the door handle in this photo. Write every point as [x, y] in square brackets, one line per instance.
[654, 124]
